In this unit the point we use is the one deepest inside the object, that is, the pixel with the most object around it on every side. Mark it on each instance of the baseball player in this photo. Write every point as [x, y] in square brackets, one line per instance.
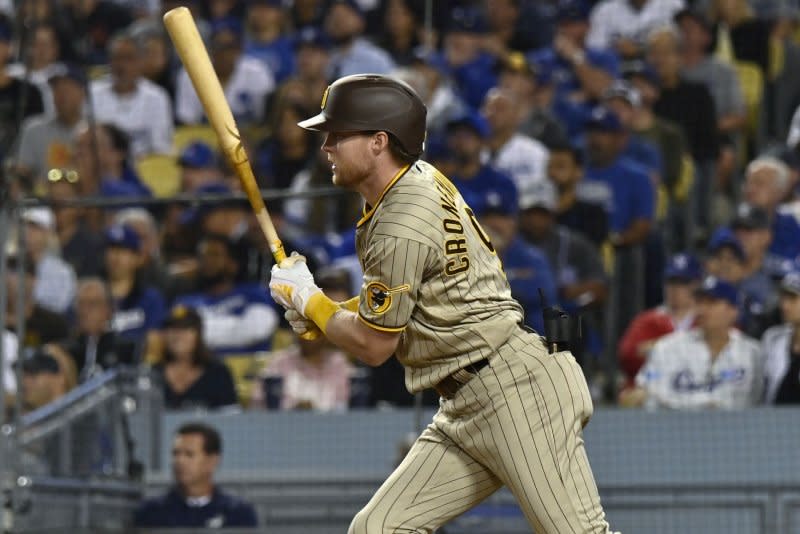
[434, 294]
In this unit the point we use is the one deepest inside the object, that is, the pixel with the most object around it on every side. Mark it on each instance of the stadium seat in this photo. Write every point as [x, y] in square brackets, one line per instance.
[752, 80]
[188, 133]
[160, 173]
[245, 369]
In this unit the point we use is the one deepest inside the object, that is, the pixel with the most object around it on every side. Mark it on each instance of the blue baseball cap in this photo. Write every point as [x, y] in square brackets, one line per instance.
[638, 68]
[791, 283]
[573, 11]
[725, 238]
[472, 120]
[197, 154]
[683, 267]
[713, 287]
[227, 24]
[500, 199]
[122, 236]
[312, 36]
[603, 119]
[70, 72]
[431, 58]
[467, 20]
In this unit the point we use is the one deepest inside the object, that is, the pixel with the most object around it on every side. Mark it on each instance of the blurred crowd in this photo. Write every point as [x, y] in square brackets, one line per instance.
[633, 161]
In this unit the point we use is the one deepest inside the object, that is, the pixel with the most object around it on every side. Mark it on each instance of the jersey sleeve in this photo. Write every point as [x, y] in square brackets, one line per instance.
[393, 270]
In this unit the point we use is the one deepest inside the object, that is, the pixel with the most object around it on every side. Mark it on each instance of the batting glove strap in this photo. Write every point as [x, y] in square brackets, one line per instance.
[320, 309]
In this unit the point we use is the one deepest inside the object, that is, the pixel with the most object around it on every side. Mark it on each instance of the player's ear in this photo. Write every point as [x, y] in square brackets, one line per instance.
[380, 142]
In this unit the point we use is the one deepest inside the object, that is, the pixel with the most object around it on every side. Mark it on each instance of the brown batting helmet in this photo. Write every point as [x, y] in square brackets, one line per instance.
[371, 102]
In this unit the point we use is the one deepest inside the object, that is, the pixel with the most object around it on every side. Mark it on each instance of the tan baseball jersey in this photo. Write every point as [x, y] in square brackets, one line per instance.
[431, 273]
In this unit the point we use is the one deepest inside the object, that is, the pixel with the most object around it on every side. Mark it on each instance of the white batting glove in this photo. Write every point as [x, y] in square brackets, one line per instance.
[300, 325]
[291, 283]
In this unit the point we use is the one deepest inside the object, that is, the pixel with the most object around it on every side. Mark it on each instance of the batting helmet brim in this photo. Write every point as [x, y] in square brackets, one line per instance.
[317, 123]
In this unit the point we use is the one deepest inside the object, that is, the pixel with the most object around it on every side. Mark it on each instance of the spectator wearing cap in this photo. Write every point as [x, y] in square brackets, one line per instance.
[469, 64]
[690, 105]
[245, 81]
[466, 136]
[574, 208]
[781, 347]
[46, 376]
[266, 37]
[238, 317]
[580, 279]
[55, 278]
[138, 309]
[312, 52]
[580, 73]
[726, 257]
[765, 186]
[131, 102]
[199, 166]
[47, 141]
[93, 345]
[104, 162]
[345, 22]
[623, 25]
[192, 378]
[682, 276]
[11, 91]
[526, 267]
[712, 366]
[313, 374]
[522, 158]
[626, 186]
[153, 271]
[518, 75]
[41, 325]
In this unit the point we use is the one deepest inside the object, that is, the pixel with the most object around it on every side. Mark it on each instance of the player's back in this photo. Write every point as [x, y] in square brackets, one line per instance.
[431, 272]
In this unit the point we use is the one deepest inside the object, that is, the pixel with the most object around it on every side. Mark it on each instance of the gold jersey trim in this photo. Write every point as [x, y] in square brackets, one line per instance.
[379, 328]
[368, 213]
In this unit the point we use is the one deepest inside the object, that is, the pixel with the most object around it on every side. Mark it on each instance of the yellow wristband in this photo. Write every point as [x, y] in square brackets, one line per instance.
[320, 309]
[350, 304]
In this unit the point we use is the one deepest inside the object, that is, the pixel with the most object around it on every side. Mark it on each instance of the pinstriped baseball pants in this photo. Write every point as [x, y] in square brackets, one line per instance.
[517, 423]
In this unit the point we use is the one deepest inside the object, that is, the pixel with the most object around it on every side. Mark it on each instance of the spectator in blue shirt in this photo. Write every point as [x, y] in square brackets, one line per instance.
[580, 75]
[195, 501]
[238, 317]
[266, 41]
[472, 69]
[345, 24]
[138, 309]
[630, 192]
[526, 267]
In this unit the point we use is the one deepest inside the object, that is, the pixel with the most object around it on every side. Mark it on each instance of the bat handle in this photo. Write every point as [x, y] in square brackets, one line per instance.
[278, 253]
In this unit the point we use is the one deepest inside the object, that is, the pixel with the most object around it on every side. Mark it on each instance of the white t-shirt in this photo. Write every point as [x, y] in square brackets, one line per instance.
[245, 92]
[679, 373]
[524, 159]
[145, 115]
[612, 19]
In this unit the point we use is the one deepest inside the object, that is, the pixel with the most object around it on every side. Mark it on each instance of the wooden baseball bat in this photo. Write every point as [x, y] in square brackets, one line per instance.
[194, 56]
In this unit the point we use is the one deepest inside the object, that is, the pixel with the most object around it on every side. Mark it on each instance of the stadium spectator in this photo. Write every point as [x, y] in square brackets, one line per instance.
[195, 501]
[740, 35]
[55, 279]
[781, 347]
[345, 22]
[522, 158]
[517, 75]
[622, 184]
[765, 185]
[682, 275]
[527, 269]
[47, 141]
[266, 39]
[131, 102]
[39, 60]
[438, 92]
[313, 374]
[104, 162]
[41, 325]
[509, 22]
[80, 247]
[138, 309]
[93, 346]
[713, 366]
[46, 376]
[12, 91]
[156, 55]
[404, 27]
[312, 54]
[245, 80]
[690, 105]
[580, 72]
[573, 259]
[574, 209]
[152, 271]
[93, 23]
[624, 25]
[191, 377]
[238, 318]
[469, 64]
[199, 167]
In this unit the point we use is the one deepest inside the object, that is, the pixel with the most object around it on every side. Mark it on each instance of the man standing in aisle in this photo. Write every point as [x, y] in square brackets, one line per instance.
[434, 293]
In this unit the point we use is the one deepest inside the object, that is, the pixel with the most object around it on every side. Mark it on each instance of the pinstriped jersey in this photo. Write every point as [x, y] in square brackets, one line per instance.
[431, 273]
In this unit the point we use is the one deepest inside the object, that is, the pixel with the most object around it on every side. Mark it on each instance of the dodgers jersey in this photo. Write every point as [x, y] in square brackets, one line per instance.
[431, 273]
